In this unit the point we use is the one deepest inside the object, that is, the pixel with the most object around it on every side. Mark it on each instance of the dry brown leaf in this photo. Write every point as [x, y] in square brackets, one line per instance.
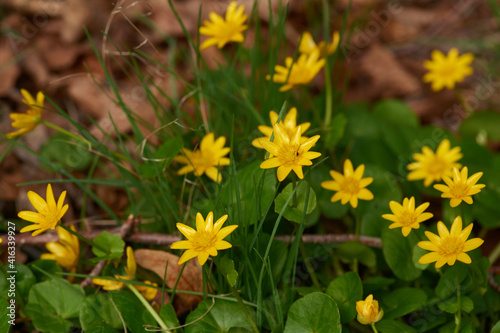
[191, 279]
[9, 68]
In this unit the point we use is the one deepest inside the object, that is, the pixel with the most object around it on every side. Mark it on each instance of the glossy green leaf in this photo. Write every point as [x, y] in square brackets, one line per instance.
[97, 311]
[315, 312]
[496, 328]
[402, 301]
[111, 246]
[295, 213]
[447, 284]
[222, 317]
[132, 311]
[482, 126]
[396, 113]
[229, 271]
[336, 131]
[48, 266]
[394, 326]
[349, 251]
[346, 290]
[398, 253]
[168, 315]
[67, 152]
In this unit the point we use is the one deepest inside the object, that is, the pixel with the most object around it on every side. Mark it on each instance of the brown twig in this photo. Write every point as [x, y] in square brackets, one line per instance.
[123, 232]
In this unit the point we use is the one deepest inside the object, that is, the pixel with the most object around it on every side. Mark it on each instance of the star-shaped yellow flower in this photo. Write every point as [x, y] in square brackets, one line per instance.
[308, 46]
[350, 186]
[432, 166]
[148, 292]
[26, 122]
[288, 152]
[207, 159]
[303, 71]
[205, 240]
[49, 213]
[405, 216]
[66, 251]
[460, 188]
[223, 31]
[368, 311]
[449, 246]
[446, 71]
[289, 124]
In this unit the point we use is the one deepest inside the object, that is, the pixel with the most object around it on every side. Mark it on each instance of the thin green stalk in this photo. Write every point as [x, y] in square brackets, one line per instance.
[494, 254]
[468, 109]
[458, 315]
[309, 267]
[148, 307]
[328, 79]
[238, 298]
[294, 181]
[374, 328]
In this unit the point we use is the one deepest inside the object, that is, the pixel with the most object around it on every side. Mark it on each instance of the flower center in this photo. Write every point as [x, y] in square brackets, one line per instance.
[203, 241]
[451, 246]
[459, 190]
[350, 185]
[437, 167]
[289, 153]
[408, 218]
[447, 70]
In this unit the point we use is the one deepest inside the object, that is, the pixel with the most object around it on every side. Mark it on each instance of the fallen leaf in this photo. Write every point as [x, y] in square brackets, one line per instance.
[191, 279]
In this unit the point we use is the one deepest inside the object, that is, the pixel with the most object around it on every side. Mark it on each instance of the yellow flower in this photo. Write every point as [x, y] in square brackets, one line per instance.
[432, 166]
[223, 31]
[130, 269]
[49, 213]
[461, 187]
[307, 45]
[289, 125]
[288, 152]
[64, 252]
[449, 246]
[26, 122]
[303, 71]
[206, 159]
[368, 311]
[205, 240]
[445, 71]
[406, 216]
[350, 186]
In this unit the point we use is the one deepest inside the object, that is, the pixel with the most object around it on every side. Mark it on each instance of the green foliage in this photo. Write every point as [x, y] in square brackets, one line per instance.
[346, 290]
[108, 246]
[295, 209]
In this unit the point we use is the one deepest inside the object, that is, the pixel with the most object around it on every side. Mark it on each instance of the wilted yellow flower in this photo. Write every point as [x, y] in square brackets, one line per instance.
[223, 31]
[432, 166]
[288, 152]
[445, 71]
[206, 159]
[64, 252]
[303, 71]
[368, 311]
[205, 240]
[26, 122]
[130, 269]
[289, 125]
[308, 46]
[49, 213]
[350, 186]
[449, 246]
[406, 216]
[461, 187]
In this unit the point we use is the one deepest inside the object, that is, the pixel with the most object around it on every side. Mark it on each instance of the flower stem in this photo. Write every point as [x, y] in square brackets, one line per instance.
[374, 328]
[309, 267]
[238, 298]
[468, 109]
[494, 254]
[294, 182]
[458, 315]
[328, 79]
[149, 308]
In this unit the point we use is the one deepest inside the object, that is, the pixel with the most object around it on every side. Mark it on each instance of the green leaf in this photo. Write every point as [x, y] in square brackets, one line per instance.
[51, 303]
[170, 148]
[396, 113]
[229, 271]
[25, 279]
[336, 131]
[346, 290]
[447, 284]
[376, 283]
[296, 213]
[133, 312]
[496, 328]
[481, 126]
[398, 253]
[113, 246]
[97, 311]
[223, 316]
[48, 266]
[394, 326]
[402, 301]
[418, 252]
[67, 152]
[316, 312]
[349, 251]
[7, 313]
[168, 315]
